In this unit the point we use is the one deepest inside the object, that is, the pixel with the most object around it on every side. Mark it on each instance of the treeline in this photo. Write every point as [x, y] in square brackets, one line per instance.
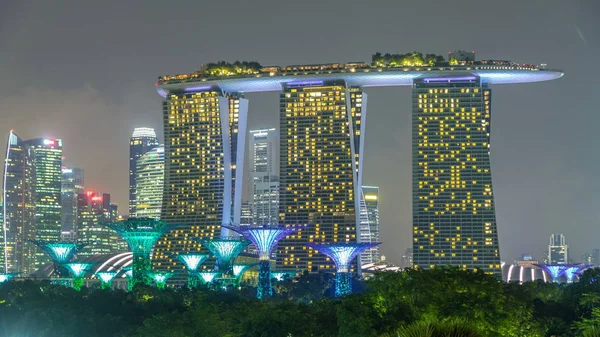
[413, 303]
[409, 60]
[223, 68]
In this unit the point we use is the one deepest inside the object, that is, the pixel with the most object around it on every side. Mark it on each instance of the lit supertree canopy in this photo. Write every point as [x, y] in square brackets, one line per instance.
[4, 277]
[281, 275]
[78, 269]
[192, 261]
[240, 269]
[265, 238]
[59, 251]
[106, 278]
[208, 276]
[574, 270]
[141, 234]
[225, 249]
[160, 278]
[342, 254]
[558, 270]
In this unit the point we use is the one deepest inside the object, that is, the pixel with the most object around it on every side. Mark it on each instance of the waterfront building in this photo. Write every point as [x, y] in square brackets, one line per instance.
[72, 185]
[18, 208]
[321, 128]
[93, 211]
[205, 136]
[149, 183]
[142, 140]
[558, 251]
[369, 223]
[265, 175]
[47, 170]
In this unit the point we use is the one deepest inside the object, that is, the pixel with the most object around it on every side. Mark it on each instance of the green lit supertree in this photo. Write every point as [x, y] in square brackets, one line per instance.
[106, 278]
[226, 250]
[127, 272]
[192, 262]
[208, 277]
[282, 275]
[160, 278]
[77, 270]
[60, 252]
[141, 235]
[5, 277]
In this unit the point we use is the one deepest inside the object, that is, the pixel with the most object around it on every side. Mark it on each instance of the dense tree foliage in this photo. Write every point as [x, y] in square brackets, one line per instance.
[441, 302]
[406, 60]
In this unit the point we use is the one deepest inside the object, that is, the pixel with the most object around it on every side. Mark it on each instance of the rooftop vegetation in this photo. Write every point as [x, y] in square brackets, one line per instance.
[223, 68]
[407, 60]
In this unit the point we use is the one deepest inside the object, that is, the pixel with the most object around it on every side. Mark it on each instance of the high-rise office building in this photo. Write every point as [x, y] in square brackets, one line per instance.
[72, 185]
[321, 129]
[407, 258]
[149, 183]
[94, 209]
[18, 208]
[247, 216]
[47, 167]
[265, 175]
[369, 223]
[558, 251]
[205, 141]
[454, 221]
[142, 141]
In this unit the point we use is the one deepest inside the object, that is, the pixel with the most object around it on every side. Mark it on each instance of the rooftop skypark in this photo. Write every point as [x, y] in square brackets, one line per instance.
[141, 235]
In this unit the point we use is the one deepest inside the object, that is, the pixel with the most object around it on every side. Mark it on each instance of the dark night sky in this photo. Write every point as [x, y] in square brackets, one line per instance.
[85, 71]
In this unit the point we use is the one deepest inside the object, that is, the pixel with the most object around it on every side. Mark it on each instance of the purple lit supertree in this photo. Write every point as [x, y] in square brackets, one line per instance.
[265, 239]
[342, 255]
[556, 271]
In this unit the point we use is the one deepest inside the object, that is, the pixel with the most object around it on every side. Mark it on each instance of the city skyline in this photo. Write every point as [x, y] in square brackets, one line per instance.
[525, 206]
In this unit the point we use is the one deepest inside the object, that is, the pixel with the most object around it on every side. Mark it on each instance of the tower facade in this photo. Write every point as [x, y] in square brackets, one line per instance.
[369, 223]
[454, 221]
[321, 129]
[150, 183]
[47, 167]
[18, 208]
[558, 251]
[94, 209]
[72, 185]
[265, 175]
[142, 141]
[205, 141]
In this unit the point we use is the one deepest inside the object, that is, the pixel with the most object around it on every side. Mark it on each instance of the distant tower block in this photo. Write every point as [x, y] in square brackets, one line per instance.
[226, 250]
[342, 255]
[192, 262]
[60, 252]
[265, 239]
[141, 234]
[142, 140]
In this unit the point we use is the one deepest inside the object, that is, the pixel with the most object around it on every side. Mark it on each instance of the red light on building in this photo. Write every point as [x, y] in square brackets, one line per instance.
[97, 198]
[89, 193]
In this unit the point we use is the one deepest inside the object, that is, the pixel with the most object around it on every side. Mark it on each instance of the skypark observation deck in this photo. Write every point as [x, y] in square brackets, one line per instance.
[367, 77]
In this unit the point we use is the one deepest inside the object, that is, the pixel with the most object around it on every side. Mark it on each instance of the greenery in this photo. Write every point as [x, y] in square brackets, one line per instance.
[441, 302]
[407, 60]
[223, 68]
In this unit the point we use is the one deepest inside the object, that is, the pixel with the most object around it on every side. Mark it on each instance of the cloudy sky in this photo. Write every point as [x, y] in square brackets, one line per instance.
[84, 71]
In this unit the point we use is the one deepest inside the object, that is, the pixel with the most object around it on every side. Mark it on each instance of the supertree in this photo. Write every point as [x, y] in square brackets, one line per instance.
[226, 250]
[342, 255]
[160, 278]
[192, 262]
[60, 252]
[77, 270]
[208, 276]
[265, 239]
[555, 270]
[141, 235]
[4, 277]
[128, 273]
[239, 269]
[106, 278]
[281, 275]
[573, 270]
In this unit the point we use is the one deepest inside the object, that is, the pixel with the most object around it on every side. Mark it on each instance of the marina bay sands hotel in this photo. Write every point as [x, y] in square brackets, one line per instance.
[323, 118]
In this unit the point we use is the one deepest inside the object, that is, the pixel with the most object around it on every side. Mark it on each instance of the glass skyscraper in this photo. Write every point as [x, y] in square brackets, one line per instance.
[142, 141]
[369, 223]
[72, 185]
[47, 167]
[18, 208]
[265, 176]
[94, 209]
[205, 140]
[454, 221]
[558, 251]
[321, 130]
[150, 183]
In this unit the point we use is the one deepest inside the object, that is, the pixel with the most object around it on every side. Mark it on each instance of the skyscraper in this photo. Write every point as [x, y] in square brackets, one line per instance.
[18, 208]
[94, 209]
[321, 128]
[454, 221]
[205, 136]
[369, 223]
[47, 167]
[150, 183]
[72, 185]
[142, 141]
[558, 251]
[265, 175]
